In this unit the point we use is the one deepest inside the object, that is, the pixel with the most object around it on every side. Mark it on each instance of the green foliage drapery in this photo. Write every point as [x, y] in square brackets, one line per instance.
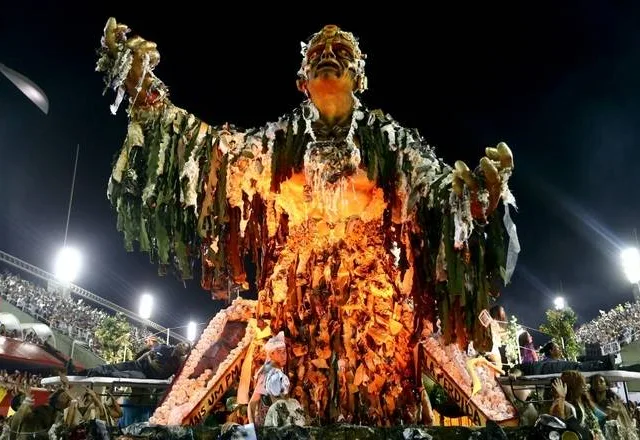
[114, 336]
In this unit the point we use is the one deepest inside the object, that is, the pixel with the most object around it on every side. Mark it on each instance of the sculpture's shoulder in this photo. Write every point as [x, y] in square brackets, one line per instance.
[374, 118]
[255, 154]
[236, 140]
[397, 136]
[380, 117]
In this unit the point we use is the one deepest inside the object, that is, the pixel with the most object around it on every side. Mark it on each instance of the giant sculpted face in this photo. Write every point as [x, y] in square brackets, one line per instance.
[332, 56]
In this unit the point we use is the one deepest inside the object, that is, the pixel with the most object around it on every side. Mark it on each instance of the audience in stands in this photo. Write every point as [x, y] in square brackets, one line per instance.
[621, 324]
[19, 381]
[66, 314]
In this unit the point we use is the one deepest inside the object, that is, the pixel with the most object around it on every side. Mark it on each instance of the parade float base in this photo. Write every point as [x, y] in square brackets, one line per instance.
[334, 432]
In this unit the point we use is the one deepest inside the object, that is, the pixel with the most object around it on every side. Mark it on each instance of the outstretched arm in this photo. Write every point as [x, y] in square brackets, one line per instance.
[178, 184]
[167, 169]
[477, 251]
[458, 236]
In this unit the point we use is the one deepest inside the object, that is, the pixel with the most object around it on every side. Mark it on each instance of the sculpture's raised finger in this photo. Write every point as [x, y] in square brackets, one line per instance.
[154, 58]
[148, 46]
[461, 167]
[135, 42]
[489, 170]
[492, 153]
[506, 156]
[110, 33]
[457, 184]
[466, 175]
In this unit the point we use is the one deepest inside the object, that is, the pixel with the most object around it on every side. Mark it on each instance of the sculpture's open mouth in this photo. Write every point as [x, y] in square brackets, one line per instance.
[329, 65]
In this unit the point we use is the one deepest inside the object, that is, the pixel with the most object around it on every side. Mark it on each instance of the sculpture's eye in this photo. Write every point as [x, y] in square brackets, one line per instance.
[343, 51]
[314, 53]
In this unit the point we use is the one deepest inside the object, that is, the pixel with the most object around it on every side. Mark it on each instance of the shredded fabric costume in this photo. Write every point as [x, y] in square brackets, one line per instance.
[354, 247]
[359, 243]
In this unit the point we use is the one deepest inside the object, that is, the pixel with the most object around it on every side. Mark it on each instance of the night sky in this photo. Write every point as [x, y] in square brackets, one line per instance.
[560, 86]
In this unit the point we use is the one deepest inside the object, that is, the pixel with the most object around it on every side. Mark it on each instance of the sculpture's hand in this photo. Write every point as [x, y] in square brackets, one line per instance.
[145, 57]
[493, 172]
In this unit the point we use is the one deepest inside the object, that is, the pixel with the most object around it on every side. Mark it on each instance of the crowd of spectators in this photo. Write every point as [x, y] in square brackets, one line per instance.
[620, 324]
[64, 313]
[19, 381]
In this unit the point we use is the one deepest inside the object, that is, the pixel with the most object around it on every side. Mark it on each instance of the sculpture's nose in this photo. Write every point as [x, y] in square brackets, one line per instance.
[327, 53]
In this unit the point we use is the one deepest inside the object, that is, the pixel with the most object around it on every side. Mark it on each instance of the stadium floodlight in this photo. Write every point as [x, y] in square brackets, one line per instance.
[67, 265]
[191, 331]
[146, 305]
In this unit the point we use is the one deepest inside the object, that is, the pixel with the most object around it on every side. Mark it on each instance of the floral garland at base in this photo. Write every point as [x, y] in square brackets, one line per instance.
[186, 392]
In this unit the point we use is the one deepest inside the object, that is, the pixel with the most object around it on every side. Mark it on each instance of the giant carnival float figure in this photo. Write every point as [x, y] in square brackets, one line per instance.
[373, 257]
